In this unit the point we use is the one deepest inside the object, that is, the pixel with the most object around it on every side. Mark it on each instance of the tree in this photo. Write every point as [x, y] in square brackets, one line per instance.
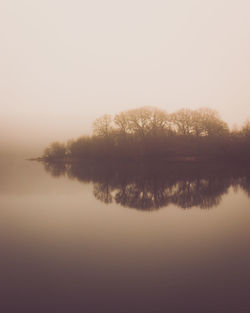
[246, 129]
[56, 150]
[139, 121]
[122, 122]
[202, 122]
[183, 121]
[142, 121]
[160, 122]
[211, 124]
[102, 126]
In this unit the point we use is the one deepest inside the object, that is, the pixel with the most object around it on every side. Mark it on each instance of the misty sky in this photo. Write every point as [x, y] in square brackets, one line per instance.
[64, 63]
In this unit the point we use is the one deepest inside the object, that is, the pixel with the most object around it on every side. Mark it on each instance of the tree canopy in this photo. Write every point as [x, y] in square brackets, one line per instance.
[149, 132]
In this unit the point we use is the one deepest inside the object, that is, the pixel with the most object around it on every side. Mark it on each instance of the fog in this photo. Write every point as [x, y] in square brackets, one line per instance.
[65, 63]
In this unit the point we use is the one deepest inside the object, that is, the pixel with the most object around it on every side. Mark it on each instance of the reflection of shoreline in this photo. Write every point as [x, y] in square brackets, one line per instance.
[146, 186]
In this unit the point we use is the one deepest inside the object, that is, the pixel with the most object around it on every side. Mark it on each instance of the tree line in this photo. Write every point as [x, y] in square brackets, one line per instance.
[149, 132]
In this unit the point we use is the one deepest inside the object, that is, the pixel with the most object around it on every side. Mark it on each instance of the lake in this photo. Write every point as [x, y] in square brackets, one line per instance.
[114, 238]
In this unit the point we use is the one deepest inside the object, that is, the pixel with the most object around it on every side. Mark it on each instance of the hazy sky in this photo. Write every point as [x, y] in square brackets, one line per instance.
[64, 63]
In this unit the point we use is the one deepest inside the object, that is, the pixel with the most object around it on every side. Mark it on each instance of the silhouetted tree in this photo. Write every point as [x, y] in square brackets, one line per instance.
[246, 129]
[56, 150]
[102, 126]
[211, 124]
[183, 121]
[122, 123]
[139, 121]
[151, 133]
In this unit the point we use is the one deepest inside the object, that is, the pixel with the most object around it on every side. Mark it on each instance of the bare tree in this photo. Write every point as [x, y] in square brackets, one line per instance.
[142, 121]
[202, 122]
[122, 122]
[102, 126]
[139, 121]
[211, 124]
[183, 121]
[246, 129]
[160, 121]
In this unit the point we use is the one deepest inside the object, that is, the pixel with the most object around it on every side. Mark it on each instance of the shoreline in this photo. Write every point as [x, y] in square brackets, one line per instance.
[171, 160]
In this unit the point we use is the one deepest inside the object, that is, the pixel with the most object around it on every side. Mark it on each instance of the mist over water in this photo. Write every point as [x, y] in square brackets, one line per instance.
[65, 247]
[108, 223]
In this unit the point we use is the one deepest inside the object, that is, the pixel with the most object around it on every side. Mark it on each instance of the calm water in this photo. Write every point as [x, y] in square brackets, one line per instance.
[103, 238]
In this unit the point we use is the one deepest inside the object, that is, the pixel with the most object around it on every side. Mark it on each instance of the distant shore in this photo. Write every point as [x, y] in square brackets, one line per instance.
[149, 134]
[160, 160]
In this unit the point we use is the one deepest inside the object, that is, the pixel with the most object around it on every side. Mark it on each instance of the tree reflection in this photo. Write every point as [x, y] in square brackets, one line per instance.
[102, 192]
[56, 169]
[149, 187]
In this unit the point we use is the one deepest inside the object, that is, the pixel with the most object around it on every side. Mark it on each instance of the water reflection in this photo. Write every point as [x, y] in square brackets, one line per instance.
[150, 187]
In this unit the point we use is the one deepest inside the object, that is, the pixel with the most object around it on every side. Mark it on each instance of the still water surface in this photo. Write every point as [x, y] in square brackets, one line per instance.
[100, 240]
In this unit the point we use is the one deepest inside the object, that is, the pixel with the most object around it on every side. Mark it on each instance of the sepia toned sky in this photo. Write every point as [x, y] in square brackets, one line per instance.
[64, 63]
